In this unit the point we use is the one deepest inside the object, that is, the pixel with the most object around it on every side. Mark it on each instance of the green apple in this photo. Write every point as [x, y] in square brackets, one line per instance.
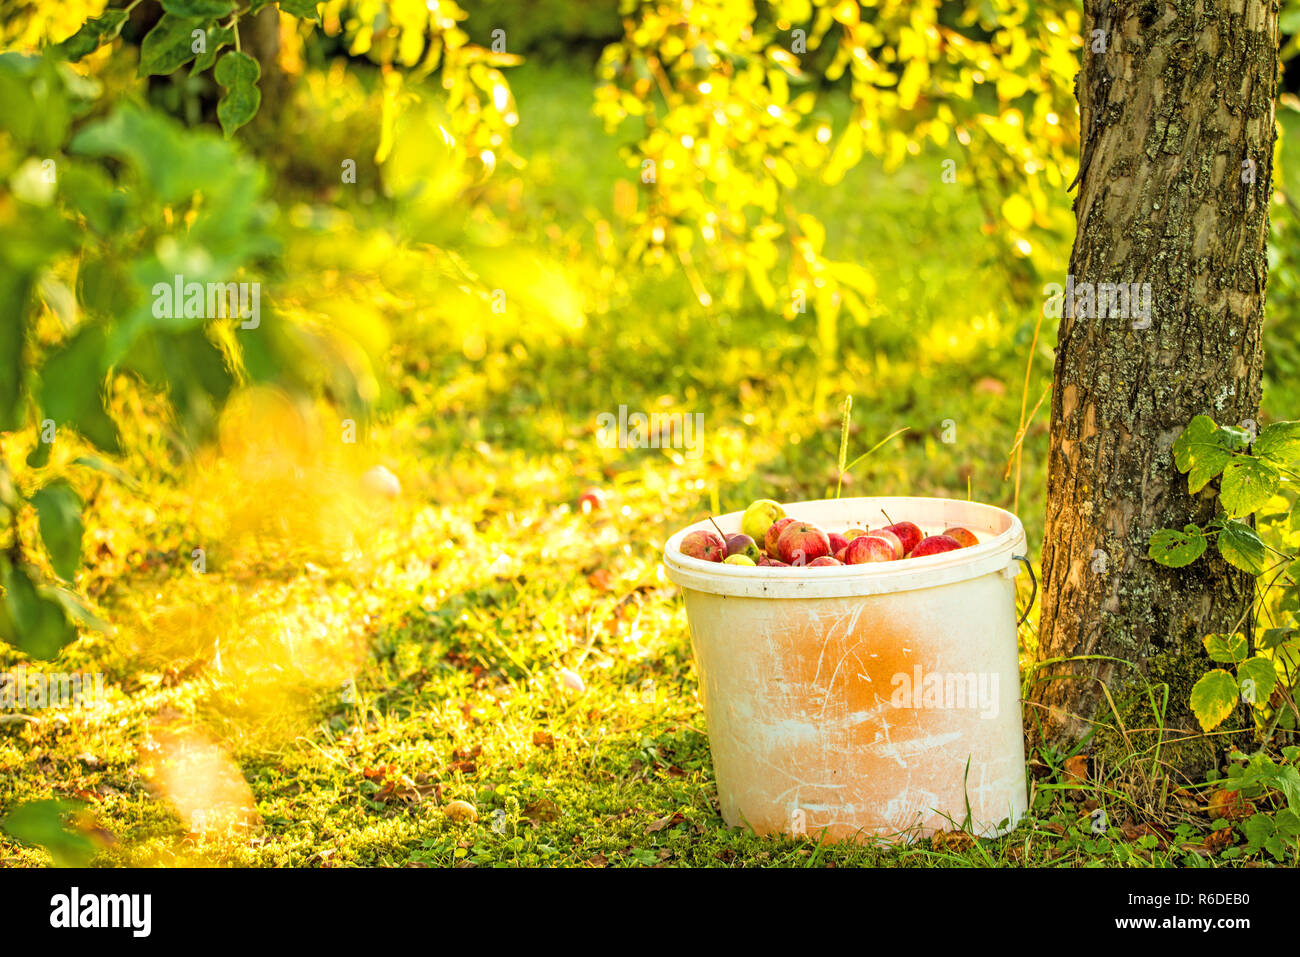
[740, 558]
[758, 518]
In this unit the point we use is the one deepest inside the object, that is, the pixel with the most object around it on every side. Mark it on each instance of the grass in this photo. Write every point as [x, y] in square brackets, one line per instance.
[345, 665]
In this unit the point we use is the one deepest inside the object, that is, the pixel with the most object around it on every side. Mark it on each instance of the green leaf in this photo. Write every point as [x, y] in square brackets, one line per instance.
[1235, 437]
[218, 37]
[39, 456]
[1240, 546]
[1213, 698]
[40, 626]
[238, 73]
[8, 493]
[15, 299]
[1174, 549]
[88, 190]
[71, 390]
[170, 162]
[1256, 677]
[304, 9]
[1287, 781]
[107, 468]
[76, 608]
[40, 824]
[1247, 484]
[58, 509]
[1280, 443]
[1201, 451]
[1272, 638]
[93, 33]
[41, 97]
[169, 44]
[1226, 649]
[198, 8]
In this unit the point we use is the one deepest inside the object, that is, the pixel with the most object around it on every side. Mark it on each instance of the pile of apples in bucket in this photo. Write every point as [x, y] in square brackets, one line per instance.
[787, 542]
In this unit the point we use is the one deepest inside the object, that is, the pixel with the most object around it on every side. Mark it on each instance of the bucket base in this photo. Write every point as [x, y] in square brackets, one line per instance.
[883, 836]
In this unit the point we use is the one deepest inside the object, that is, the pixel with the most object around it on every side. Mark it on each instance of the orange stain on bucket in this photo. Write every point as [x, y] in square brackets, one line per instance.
[864, 702]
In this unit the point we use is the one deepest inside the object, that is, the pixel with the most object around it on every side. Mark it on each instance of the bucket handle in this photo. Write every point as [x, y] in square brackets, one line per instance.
[1033, 595]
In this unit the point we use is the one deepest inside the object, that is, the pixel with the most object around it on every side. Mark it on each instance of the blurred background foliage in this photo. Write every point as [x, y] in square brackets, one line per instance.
[475, 228]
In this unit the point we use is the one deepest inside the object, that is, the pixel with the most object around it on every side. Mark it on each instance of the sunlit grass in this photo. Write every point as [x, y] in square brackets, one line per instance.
[362, 660]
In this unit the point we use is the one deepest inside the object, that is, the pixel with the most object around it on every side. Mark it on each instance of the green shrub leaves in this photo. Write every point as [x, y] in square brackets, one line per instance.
[238, 73]
[1252, 472]
[58, 509]
[1213, 697]
[93, 33]
[170, 44]
[1176, 549]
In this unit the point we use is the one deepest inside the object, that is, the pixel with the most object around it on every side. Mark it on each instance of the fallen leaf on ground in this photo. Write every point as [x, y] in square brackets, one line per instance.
[664, 822]
[1076, 768]
[956, 841]
[1230, 805]
[1216, 841]
[543, 809]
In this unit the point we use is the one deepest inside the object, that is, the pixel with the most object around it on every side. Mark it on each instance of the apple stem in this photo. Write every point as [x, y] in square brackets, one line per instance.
[715, 525]
[887, 518]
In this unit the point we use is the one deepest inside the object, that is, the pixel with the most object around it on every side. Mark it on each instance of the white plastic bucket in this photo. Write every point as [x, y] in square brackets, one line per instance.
[877, 701]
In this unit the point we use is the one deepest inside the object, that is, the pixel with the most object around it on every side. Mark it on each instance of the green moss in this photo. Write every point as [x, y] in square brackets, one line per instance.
[1157, 720]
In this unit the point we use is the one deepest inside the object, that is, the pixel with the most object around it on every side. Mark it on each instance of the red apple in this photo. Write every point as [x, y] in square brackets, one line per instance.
[838, 541]
[591, 500]
[773, 533]
[892, 539]
[839, 556]
[964, 536]
[868, 548]
[704, 545]
[380, 481]
[800, 543]
[771, 562]
[739, 544]
[824, 560]
[934, 545]
[908, 533]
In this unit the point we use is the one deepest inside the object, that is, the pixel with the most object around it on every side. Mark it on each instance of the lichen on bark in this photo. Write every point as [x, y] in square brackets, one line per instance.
[1175, 112]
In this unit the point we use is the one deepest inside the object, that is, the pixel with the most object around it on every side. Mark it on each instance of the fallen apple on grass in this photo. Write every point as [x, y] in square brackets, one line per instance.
[379, 481]
[591, 500]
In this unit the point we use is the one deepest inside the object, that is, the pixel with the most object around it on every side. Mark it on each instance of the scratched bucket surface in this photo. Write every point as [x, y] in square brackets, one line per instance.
[867, 702]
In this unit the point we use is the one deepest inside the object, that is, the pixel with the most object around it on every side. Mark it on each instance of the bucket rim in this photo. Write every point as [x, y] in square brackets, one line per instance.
[994, 555]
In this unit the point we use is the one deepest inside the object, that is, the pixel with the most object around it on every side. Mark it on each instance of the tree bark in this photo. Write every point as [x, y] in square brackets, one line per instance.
[1174, 185]
[262, 42]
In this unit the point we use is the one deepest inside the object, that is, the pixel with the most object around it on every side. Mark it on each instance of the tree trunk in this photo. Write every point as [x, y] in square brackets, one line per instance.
[262, 42]
[1176, 102]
